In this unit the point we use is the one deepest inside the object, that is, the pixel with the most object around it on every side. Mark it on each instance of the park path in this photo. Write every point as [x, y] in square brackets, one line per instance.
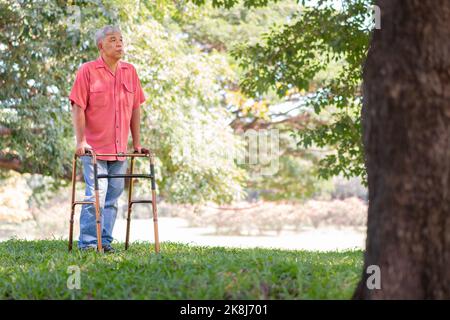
[177, 230]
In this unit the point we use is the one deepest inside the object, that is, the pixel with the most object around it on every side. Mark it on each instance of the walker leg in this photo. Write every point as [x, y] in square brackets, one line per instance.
[97, 207]
[155, 212]
[72, 212]
[130, 191]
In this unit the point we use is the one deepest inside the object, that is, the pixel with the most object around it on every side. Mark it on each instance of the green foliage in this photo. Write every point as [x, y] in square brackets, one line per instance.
[295, 181]
[218, 31]
[215, 28]
[293, 56]
[29, 50]
[230, 3]
[185, 122]
[290, 174]
[41, 52]
[38, 270]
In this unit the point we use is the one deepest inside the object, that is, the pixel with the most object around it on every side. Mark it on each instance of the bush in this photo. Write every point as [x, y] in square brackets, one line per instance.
[264, 217]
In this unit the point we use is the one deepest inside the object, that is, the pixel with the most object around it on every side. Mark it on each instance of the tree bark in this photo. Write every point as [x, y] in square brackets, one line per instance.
[406, 132]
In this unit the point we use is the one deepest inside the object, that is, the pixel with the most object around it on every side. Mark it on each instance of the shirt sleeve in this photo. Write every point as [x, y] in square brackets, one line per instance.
[80, 89]
[139, 97]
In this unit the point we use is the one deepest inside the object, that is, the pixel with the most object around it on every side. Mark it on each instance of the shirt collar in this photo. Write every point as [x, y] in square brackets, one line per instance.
[100, 63]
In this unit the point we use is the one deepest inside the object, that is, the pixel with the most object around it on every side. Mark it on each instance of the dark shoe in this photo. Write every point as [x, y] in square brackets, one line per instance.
[108, 249]
[88, 248]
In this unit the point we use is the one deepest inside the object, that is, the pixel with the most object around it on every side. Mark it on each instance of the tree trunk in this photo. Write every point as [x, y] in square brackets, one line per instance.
[406, 132]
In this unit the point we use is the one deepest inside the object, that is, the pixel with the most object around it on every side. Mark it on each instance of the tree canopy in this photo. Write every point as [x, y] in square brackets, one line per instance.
[209, 75]
[293, 58]
[40, 55]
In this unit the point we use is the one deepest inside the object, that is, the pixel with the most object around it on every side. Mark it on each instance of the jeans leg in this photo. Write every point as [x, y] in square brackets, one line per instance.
[115, 189]
[88, 231]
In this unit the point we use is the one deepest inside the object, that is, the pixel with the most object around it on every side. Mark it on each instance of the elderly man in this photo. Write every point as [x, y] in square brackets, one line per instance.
[106, 99]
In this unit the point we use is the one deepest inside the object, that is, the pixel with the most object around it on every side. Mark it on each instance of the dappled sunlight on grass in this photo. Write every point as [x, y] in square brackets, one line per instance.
[39, 270]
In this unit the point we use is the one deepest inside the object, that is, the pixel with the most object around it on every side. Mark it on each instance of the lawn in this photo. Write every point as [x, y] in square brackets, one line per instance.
[40, 270]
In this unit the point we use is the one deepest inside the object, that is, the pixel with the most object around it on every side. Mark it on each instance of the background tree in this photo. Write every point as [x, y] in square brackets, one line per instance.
[239, 25]
[315, 57]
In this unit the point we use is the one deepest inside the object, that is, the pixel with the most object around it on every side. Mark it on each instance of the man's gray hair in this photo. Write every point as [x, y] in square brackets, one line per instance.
[100, 34]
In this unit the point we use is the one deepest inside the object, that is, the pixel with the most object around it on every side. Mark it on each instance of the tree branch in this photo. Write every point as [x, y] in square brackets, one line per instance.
[4, 131]
[13, 163]
[10, 164]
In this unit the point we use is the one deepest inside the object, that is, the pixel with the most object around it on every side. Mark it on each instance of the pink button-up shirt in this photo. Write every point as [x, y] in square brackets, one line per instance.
[108, 101]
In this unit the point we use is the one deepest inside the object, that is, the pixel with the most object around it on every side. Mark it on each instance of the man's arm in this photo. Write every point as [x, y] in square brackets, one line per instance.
[136, 128]
[79, 124]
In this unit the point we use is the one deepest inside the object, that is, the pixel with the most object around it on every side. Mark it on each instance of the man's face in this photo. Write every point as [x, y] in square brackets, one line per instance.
[112, 45]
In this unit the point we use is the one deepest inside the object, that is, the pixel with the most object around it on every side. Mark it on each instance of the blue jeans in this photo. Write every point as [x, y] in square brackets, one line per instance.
[109, 193]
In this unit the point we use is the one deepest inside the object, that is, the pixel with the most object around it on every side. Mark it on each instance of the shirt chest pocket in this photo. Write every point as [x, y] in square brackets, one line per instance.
[97, 95]
[129, 92]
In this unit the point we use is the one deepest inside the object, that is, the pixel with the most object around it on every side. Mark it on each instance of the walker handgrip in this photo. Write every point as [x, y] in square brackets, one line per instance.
[143, 151]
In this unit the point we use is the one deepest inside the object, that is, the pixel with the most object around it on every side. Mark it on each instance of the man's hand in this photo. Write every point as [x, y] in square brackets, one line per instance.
[141, 150]
[82, 147]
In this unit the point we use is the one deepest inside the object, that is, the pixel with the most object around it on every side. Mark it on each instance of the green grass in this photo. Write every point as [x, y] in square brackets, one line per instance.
[39, 270]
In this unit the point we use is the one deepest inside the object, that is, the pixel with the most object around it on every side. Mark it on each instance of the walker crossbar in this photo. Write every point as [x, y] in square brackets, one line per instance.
[101, 176]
